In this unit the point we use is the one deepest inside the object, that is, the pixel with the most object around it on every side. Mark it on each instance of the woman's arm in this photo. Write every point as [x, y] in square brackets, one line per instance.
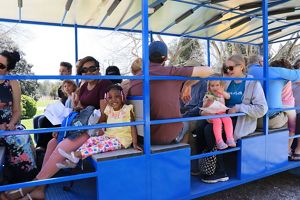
[134, 133]
[258, 107]
[16, 107]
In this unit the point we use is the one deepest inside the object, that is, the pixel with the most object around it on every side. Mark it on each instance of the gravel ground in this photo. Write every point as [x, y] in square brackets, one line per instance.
[283, 186]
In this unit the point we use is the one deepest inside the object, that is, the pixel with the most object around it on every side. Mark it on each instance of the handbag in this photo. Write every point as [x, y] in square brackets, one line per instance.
[207, 165]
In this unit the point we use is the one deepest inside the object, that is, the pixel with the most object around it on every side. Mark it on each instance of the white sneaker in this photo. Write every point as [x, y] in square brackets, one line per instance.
[70, 156]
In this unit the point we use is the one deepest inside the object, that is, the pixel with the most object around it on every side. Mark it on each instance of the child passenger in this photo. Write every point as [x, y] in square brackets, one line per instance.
[69, 87]
[215, 92]
[113, 138]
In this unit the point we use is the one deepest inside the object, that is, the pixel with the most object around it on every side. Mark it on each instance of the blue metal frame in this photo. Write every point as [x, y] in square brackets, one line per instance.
[149, 161]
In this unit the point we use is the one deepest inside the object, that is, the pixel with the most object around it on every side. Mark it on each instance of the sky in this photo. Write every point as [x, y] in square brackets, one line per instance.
[46, 46]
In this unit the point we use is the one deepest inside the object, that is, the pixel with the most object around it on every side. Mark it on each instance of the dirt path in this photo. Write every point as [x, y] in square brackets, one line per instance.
[283, 186]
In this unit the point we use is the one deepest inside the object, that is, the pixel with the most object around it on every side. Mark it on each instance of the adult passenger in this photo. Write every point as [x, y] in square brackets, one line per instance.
[19, 157]
[91, 94]
[136, 68]
[276, 119]
[255, 60]
[288, 100]
[296, 91]
[113, 71]
[164, 95]
[246, 97]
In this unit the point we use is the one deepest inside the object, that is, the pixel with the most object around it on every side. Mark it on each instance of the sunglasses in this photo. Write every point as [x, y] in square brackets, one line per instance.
[226, 69]
[2, 66]
[89, 69]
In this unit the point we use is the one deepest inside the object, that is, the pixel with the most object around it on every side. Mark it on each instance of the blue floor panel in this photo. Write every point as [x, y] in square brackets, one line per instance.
[199, 188]
[82, 189]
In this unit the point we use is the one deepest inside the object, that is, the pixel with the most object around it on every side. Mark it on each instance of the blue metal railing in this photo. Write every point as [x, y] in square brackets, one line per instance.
[146, 98]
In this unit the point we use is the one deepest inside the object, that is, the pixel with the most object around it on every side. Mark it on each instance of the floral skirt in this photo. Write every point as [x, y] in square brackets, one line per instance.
[20, 162]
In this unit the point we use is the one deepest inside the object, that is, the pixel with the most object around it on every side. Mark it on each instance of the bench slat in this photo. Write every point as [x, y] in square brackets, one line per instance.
[122, 153]
[162, 148]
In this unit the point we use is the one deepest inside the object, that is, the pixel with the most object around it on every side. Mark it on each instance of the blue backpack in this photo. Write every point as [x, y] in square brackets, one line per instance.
[66, 122]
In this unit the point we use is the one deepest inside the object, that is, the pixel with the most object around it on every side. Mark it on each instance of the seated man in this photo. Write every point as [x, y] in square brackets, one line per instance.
[164, 95]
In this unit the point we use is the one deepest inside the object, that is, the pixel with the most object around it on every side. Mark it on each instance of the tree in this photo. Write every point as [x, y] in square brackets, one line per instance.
[185, 51]
[28, 87]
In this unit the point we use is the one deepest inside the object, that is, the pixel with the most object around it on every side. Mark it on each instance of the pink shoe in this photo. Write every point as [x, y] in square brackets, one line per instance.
[222, 145]
[231, 143]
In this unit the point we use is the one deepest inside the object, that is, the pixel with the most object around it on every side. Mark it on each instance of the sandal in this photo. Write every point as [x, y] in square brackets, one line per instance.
[295, 157]
[15, 194]
[30, 196]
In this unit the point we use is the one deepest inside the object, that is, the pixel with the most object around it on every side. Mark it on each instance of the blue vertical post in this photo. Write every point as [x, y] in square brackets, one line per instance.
[76, 47]
[146, 95]
[265, 59]
[208, 52]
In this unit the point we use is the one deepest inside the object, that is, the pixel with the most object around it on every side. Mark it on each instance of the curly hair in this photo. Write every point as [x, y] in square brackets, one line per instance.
[281, 63]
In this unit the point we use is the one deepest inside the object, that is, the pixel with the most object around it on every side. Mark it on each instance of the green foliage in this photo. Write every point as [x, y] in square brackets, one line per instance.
[28, 87]
[28, 107]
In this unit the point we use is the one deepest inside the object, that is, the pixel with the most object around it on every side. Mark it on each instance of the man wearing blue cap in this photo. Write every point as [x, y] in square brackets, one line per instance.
[164, 95]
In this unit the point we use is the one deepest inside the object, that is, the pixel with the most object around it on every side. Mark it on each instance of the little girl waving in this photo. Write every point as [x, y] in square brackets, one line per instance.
[113, 138]
[217, 95]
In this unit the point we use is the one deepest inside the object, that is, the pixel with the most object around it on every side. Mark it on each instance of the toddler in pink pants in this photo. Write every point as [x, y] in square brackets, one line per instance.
[215, 92]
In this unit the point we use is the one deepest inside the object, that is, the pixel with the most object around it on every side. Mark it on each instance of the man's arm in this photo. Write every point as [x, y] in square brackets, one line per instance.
[202, 72]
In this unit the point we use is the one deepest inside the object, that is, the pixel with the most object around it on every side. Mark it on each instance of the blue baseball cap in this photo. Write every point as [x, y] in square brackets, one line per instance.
[158, 49]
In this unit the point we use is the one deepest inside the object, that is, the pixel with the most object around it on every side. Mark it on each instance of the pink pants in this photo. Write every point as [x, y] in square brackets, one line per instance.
[52, 155]
[217, 128]
[99, 144]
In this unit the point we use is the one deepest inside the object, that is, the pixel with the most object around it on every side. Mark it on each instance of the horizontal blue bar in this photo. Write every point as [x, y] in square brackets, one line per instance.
[167, 121]
[204, 155]
[91, 77]
[183, 78]
[48, 181]
[135, 98]
[68, 128]
[63, 77]
[282, 109]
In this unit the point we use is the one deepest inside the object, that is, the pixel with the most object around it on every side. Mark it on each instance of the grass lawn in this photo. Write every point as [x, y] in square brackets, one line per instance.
[41, 105]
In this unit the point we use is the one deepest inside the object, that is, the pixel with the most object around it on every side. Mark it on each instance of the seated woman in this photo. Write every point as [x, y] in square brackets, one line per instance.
[288, 100]
[19, 161]
[296, 91]
[245, 96]
[91, 94]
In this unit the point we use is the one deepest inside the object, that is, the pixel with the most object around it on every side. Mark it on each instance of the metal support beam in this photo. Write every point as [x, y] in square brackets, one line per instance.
[146, 95]
[266, 60]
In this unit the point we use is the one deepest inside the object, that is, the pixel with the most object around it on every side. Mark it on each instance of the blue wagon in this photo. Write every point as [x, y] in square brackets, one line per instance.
[163, 172]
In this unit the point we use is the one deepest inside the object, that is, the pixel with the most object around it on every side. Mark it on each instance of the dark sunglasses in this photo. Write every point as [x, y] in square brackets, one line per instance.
[2, 66]
[89, 69]
[226, 69]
